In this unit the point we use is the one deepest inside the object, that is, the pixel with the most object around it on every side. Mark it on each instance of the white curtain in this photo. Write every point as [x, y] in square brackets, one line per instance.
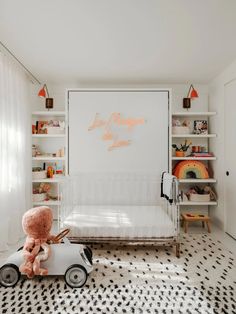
[15, 146]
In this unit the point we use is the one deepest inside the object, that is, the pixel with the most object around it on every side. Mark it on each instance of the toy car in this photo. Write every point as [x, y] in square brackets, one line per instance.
[74, 261]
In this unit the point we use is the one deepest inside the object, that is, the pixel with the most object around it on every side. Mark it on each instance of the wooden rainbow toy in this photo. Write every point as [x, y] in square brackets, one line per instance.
[191, 169]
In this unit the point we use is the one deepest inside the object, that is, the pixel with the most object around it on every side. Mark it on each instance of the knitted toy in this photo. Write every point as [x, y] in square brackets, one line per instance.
[37, 223]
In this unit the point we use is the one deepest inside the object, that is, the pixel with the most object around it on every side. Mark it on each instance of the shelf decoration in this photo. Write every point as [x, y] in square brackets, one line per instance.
[49, 127]
[40, 193]
[180, 128]
[201, 154]
[36, 153]
[192, 93]
[197, 194]
[45, 94]
[181, 150]
[54, 168]
[38, 173]
[200, 127]
[191, 169]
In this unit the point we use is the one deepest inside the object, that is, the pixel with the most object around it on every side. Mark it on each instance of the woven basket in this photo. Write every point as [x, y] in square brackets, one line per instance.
[199, 197]
[39, 174]
[55, 130]
[39, 197]
[180, 130]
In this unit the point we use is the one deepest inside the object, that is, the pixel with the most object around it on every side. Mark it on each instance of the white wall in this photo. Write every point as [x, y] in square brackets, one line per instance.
[148, 149]
[216, 103]
[179, 91]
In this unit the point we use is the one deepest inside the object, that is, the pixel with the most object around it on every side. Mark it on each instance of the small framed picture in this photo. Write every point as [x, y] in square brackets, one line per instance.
[200, 127]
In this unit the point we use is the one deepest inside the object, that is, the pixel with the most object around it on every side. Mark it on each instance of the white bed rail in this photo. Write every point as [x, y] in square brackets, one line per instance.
[139, 189]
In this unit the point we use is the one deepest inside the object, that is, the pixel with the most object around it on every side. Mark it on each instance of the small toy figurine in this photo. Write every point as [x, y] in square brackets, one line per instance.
[44, 187]
[50, 172]
[37, 223]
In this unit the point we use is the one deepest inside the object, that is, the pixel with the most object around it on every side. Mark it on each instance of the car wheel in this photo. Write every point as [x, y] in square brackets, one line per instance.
[76, 276]
[9, 275]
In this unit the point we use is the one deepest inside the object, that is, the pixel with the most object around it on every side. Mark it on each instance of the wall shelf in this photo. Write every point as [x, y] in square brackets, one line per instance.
[47, 203]
[193, 135]
[193, 158]
[51, 143]
[203, 140]
[49, 113]
[48, 158]
[197, 203]
[193, 114]
[53, 180]
[47, 135]
[197, 181]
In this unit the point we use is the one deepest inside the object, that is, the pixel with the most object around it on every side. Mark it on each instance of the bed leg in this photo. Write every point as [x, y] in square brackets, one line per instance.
[177, 252]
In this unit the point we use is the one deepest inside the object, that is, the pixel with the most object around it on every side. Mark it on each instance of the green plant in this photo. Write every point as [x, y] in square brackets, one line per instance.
[183, 147]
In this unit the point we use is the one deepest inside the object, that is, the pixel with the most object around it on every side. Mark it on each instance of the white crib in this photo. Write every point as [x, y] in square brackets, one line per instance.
[119, 206]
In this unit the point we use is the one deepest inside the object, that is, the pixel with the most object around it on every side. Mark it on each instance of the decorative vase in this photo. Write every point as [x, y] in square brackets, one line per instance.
[179, 154]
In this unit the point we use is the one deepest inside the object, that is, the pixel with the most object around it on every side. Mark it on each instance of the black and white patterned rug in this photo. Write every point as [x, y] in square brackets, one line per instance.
[138, 279]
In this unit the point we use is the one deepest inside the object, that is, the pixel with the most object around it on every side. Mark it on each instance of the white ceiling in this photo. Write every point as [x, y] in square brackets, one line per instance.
[144, 41]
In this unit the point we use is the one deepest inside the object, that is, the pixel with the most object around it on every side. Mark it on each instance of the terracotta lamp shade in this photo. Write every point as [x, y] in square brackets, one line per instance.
[192, 93]
[45, 94]
[42, 93]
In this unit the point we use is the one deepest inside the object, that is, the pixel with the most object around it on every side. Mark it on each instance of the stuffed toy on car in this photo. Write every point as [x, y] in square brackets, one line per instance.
[36, 223]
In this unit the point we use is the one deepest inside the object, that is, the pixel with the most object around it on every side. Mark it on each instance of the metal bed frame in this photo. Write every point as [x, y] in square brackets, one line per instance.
[171, 209]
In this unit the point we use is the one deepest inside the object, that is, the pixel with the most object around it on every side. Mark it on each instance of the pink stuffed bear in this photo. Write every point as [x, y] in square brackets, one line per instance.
[37, 223]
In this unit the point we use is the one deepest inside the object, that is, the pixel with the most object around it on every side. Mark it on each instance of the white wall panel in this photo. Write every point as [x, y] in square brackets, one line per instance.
[148, 150]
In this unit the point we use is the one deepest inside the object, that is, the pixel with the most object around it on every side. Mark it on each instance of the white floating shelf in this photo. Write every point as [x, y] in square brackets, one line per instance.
[48, 158]
[48, 113]
[186, 113]
[56, 203]
[197, 203]
[54, 180]
[194, 135]
[193, 158]
[197, 180]
[47, 135]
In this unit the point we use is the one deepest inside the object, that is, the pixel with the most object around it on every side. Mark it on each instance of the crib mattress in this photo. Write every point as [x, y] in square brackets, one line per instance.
[119, 221]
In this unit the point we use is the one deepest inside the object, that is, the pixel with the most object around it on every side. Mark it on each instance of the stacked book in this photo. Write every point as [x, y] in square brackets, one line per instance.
[202, 154]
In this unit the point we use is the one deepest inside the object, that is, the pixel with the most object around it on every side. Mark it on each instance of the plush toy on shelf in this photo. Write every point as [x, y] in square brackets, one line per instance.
[37, 223]
[191, 169]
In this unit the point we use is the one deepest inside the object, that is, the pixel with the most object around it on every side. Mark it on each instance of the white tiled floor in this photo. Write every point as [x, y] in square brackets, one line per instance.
[218, 234]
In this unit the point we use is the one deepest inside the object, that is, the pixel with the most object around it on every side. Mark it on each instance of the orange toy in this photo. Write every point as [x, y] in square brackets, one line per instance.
[191, 169]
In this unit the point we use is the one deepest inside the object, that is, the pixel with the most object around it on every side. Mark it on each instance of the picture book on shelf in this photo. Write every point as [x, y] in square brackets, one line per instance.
[202, 154]
[41, 127]
[200, 127]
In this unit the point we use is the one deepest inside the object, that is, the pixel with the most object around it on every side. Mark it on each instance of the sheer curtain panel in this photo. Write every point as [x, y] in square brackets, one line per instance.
[15, 150]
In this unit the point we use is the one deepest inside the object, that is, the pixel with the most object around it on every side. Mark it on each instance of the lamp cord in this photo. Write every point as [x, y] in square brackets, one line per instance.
[191, 86]
[46, 89]
[18, 61]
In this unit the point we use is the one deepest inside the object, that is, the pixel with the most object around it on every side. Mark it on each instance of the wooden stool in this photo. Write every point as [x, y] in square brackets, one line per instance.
[186, 218]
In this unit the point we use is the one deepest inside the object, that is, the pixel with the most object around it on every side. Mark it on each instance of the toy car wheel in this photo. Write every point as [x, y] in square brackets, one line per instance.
[9, 275]
[76, 276]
